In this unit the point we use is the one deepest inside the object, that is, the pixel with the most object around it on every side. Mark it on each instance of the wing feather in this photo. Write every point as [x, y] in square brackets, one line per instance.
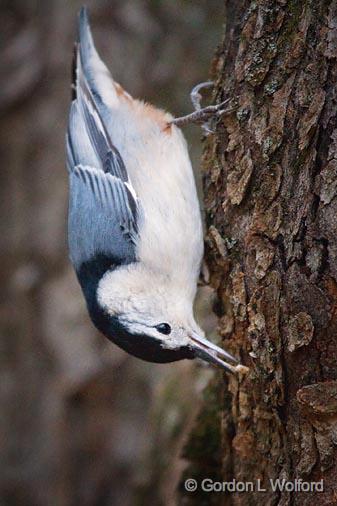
[99, 218]
[104, 208]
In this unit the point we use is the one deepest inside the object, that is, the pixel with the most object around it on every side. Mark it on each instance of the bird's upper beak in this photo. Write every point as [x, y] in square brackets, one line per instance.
[210, 352]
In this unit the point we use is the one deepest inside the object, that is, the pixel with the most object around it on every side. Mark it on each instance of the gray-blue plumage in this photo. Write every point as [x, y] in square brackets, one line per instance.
[100, 220]
[103, 211]
[134, 227]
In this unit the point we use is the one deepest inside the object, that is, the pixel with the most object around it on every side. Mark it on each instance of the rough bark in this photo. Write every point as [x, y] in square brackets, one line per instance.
[271, 207]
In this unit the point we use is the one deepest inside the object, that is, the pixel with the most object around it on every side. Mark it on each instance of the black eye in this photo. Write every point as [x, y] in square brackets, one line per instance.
[163, 328]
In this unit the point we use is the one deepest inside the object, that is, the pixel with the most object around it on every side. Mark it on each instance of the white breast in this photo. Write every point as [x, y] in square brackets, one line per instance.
[160, 170]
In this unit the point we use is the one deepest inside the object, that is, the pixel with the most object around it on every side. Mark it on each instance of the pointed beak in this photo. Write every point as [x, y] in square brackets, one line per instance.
[210, 352]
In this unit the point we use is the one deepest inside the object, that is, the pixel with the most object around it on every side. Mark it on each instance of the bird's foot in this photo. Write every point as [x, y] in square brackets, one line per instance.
[203, 115]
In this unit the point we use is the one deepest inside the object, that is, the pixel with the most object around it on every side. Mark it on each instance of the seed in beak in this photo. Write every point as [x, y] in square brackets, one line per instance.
[212, 353]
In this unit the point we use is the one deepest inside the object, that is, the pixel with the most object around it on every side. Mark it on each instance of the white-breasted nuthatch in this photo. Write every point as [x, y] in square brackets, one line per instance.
[134, 227]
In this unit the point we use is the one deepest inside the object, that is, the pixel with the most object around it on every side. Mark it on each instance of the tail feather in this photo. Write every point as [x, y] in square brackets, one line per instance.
[89, 142]
[104, 118]
[98, 77]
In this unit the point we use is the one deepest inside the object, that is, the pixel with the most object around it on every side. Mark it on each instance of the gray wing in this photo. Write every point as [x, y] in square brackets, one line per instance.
[103, 207]
[100, 221]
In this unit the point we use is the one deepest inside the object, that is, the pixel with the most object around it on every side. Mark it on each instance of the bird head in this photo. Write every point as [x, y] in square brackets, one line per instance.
[150, 316]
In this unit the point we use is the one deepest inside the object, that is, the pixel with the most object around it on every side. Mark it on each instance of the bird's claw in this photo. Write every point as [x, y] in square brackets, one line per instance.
[206, 114]
[196, 95]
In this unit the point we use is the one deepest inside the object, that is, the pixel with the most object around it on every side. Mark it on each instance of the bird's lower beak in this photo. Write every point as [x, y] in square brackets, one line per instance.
[210, 352]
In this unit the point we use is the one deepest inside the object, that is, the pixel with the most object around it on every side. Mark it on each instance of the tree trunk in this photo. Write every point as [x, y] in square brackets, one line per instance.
[270, 186]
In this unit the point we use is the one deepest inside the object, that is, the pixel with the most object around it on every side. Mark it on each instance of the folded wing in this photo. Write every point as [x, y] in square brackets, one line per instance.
[104, 209]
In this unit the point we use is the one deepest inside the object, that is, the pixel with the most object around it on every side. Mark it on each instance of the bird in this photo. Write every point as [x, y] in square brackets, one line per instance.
[134, 224]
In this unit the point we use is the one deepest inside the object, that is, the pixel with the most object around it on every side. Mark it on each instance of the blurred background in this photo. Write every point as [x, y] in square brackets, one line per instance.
[81, 422]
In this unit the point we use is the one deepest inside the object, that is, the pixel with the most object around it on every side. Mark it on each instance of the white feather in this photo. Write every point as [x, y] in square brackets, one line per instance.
[170, 246]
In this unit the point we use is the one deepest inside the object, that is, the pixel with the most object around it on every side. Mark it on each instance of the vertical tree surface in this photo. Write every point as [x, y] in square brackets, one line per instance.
[271, 212]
